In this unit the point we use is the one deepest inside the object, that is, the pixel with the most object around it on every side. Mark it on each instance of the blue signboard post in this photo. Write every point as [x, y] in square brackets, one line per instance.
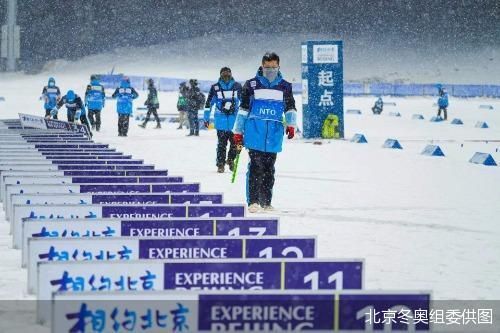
[322, 87]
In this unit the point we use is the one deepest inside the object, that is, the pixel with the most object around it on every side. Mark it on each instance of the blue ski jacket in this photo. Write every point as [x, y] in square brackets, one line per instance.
[125, 95]
[51, 94]
[226, 99]
[443, 100]
[95, 96]
[260, 117]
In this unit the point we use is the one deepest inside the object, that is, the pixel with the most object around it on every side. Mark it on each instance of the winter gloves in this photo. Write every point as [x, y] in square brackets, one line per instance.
[238, 139]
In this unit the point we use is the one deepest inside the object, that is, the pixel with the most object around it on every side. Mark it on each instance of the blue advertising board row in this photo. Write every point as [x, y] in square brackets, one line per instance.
[164, 228]
[174, 248]
[349, 88]
[243, 311]
[225, 274]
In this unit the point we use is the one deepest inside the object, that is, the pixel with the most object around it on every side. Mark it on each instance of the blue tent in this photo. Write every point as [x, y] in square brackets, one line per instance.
[359, 138]
[432, 150]
[457, 121]
[481, 124]
[483, 158]
[392, 143]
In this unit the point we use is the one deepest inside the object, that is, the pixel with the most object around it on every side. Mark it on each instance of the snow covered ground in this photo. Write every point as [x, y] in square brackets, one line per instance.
[421, 223]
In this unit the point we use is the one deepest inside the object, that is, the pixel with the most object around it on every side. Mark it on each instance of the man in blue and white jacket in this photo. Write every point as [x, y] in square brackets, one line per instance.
[259, 126]
[51, 95]
[125, 94]
[75, 109]
[443, 103]
[225, 96]
[94, 100]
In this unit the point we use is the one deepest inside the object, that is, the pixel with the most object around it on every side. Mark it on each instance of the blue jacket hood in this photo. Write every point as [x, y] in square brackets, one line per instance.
[124, 84]
[70, 96]
[226, 86]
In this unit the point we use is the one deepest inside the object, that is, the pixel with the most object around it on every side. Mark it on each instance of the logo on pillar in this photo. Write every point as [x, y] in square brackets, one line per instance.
[325, 54]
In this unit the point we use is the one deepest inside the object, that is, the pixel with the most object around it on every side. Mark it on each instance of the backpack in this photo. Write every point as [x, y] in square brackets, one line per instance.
[155, 100]
[181, 103]
[200, 99]
[330, 127]
[152, 100]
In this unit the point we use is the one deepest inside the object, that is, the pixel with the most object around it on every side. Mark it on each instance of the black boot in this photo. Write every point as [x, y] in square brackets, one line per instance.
[230, 163]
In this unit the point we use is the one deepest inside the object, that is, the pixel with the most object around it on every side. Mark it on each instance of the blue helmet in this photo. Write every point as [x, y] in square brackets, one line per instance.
[52, 82]
[70, 96]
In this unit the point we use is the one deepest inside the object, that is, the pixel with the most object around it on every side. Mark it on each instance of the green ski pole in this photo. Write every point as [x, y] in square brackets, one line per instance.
[236, 161]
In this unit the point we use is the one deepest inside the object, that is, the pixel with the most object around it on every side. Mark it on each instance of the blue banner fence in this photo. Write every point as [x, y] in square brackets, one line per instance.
[350, 88]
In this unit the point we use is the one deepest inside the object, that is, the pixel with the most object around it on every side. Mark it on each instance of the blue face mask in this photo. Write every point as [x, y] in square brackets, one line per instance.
[51, 84]
[270, 73]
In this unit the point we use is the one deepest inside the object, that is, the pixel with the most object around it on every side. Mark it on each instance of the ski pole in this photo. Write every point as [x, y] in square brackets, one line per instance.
[236, 162]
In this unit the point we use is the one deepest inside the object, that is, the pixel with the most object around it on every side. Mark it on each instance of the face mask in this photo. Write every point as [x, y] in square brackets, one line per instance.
[270, 73]
[226, 77]
[51, 84]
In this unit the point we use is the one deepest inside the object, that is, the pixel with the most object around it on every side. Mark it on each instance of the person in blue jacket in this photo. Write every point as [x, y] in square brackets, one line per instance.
[75, 109]
[51, 95]
[265, 100]
[124, 94]
[379, 106]
[94, 100]
[224, 97]
[443, 103]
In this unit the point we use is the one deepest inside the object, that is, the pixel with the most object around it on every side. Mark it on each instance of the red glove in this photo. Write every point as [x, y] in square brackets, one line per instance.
[238, 139]
[290, 131]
